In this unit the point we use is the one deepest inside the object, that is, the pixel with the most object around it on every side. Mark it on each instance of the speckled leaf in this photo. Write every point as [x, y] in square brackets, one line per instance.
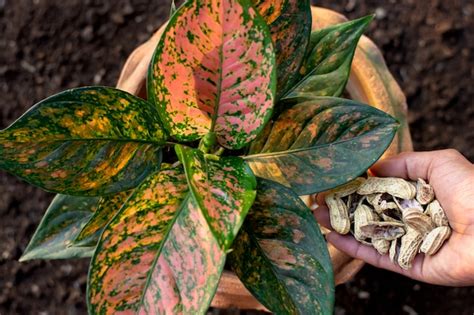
[107, 208]
[86, 141]
[281, 256]
[157, 255]
[327, 66]
[290, 27]
[213, 70]
[323, 142]
[224, 189]
[59, 227]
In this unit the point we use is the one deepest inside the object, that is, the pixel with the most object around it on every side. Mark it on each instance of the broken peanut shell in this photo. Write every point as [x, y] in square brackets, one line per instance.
[393, 251]
[437, 214]
[408, 203]
[418, 221]
[380, 204]
[381, 245]
[362, 216]
[382, 230]
[424, 192]
[338, 214]
[349, 188]
[410, 245]
[396, 187]
[435, 239]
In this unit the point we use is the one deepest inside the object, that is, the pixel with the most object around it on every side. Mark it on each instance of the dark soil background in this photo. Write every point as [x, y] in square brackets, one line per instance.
[47, 46]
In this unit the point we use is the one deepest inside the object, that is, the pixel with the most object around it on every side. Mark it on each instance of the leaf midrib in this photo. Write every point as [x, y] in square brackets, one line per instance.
[270, 264]
[219, 81]
[288, 152]
[159, 251]
[43, 140]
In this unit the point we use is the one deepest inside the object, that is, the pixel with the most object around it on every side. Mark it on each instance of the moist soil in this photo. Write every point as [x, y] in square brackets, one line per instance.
[47, 46]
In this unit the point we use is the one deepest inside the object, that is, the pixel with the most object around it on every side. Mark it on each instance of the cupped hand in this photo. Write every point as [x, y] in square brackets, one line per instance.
[452, 177]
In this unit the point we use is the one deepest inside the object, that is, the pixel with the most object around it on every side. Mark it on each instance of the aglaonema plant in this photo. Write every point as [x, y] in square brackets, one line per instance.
[242, 117]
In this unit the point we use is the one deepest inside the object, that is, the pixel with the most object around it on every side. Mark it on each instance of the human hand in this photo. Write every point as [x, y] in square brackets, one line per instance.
[452, 177]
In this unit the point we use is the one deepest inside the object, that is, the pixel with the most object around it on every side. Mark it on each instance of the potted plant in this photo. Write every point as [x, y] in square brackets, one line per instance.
[243, 116]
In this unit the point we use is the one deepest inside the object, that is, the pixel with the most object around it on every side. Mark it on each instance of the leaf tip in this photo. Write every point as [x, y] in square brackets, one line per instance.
[25, 257]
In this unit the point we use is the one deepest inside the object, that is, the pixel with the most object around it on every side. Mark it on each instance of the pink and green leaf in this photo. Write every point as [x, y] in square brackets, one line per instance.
[224, 190]
[107, 208]
[213, 71]
[60, 225]
[327, 66]
[87, 141]
[281, 256]
[322, 142]
[157, 255]
[290, 26]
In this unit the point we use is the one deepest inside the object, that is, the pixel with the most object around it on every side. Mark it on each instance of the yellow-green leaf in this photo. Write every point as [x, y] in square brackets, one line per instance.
[87, 141]
[107, 208]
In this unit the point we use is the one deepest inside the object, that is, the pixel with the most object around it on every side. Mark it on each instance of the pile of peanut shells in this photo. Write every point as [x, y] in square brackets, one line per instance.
[395, 216]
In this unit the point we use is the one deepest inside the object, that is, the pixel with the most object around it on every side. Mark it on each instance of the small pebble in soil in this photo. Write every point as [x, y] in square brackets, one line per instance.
[409, 310]
[380, 13]
[363, 295]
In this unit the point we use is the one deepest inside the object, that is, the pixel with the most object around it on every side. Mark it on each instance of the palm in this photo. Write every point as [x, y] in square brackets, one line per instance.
[452, 177]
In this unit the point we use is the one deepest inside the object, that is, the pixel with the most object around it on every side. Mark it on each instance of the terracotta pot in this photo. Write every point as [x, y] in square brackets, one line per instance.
[370, 82]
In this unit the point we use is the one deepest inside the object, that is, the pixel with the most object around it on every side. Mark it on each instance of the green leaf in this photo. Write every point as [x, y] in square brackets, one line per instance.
[281, 256]
[290, 27]
[107, 208]
[61, 224]
[327, 66]
[157, 255]
[224, 189]
[323, 142]
[87, 141]
[213, 71]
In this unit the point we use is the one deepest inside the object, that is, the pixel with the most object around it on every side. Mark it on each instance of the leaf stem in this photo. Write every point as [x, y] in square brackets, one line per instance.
[208, 142]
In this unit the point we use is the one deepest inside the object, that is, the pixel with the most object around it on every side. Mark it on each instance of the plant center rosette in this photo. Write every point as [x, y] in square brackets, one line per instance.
[222, 124]
[370, 82]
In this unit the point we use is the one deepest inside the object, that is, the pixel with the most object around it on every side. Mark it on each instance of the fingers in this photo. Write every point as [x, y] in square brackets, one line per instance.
[410, 165]
[414, 165]
[350, 246]
[322, 216]
[320, 198]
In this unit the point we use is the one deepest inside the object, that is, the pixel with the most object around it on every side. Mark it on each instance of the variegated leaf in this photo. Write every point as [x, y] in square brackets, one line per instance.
[224, 189]
[107, 208]
[213, 71]
[323, 142]
[61, 224]
[158, 255]
[86, 141]
[281, 256]
[290, 27]
[327, 66]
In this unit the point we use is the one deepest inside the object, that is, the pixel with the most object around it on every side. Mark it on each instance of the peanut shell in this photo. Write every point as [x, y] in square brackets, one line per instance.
[435, 239]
